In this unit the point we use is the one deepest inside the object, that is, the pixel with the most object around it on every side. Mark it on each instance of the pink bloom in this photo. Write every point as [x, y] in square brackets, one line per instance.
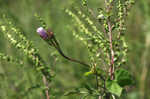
[42, 32]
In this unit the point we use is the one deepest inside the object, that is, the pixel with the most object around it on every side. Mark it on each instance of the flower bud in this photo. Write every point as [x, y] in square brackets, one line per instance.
[42, 32]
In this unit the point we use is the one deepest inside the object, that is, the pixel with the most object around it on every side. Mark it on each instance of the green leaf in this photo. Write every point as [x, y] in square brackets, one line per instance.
[123, 77]
[88, 73]
[113, 87]
[71, 92]
[76, 91]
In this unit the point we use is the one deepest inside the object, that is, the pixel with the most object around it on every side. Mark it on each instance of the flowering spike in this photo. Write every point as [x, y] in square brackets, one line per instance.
[42, 32]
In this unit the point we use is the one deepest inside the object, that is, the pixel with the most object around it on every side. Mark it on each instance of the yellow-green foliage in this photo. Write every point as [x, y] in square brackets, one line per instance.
[17, 39]
[86, 31]
[10, 59]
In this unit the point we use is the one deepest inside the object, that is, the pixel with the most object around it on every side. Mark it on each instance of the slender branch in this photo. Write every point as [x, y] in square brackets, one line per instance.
[112, 52]
[56, 45]
[71, 59]
[111, 69]
[119, 33]
[96, 76]
[47, 88]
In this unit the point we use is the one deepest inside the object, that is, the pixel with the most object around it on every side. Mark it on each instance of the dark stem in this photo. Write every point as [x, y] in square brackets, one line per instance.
[71, 59]
[96, 76]
[56, 45]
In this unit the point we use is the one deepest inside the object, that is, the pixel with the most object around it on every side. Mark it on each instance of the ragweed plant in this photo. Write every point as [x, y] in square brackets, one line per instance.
[106, 45]
[17, 39]
[102, 32]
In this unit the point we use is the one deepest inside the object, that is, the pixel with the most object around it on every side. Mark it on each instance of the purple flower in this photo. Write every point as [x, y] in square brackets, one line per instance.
[42, 32]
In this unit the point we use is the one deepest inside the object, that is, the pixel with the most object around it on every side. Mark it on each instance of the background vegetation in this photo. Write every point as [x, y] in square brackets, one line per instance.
[21, 82]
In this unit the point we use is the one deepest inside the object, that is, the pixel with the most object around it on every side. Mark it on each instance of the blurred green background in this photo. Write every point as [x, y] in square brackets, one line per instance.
[15, 79]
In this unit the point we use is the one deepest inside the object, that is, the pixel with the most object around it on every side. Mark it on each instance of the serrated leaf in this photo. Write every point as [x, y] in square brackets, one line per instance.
[123, 77]
[114, 87]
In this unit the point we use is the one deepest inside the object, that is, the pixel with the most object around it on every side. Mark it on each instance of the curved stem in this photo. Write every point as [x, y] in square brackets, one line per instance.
[71, 59]
[56, 45]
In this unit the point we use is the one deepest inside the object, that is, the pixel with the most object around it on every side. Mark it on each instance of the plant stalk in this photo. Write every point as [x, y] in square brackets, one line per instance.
[47, 88]
[112, 52]
[56, 45]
